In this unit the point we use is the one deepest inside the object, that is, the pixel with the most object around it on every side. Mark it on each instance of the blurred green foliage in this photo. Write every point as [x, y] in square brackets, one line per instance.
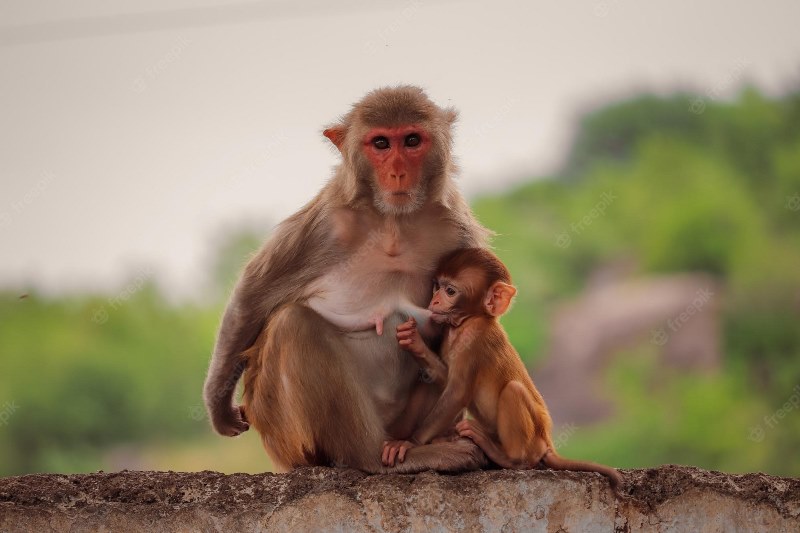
[715, 192]
[646, 179]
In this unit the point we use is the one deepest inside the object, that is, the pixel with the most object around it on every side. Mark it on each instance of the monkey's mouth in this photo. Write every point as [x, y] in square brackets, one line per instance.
[399, 198]
[438, 317]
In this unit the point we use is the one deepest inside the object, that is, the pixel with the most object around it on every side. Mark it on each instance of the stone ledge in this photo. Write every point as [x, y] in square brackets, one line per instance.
[669, 498]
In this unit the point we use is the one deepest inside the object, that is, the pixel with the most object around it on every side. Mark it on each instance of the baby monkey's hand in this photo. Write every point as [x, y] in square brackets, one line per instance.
[409, 338]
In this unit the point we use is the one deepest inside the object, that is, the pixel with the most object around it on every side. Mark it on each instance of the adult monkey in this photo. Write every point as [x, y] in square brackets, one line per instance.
[322, 384]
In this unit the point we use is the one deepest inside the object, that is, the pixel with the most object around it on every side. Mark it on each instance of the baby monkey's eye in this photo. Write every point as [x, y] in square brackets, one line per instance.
[450, 291]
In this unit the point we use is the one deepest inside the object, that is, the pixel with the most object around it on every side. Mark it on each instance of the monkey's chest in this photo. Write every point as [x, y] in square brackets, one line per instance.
[376, 278]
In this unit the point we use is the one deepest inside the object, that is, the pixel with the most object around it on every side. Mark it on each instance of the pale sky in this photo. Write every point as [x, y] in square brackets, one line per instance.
[132, 133]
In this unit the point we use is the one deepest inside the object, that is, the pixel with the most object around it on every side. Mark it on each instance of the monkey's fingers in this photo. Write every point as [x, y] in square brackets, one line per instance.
[467, 433]
[464, 429]
[403, 449]
[401, 455]
[392, 454]
[385, 454]
[406, 326]
[230, 422]
[390, 450]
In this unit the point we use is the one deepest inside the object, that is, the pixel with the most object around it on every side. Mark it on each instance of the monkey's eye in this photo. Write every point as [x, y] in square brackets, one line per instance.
[381, 143]
[413, 139]
[450, 291]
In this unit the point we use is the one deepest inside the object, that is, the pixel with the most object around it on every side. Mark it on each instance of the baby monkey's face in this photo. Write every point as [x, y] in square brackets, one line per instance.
[446, 294]
[457, 295]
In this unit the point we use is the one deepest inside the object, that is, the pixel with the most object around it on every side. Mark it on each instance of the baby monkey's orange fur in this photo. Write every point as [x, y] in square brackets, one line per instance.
[481, 371]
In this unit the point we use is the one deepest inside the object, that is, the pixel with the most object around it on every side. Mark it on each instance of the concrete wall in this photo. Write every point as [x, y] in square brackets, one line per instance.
[669, 498]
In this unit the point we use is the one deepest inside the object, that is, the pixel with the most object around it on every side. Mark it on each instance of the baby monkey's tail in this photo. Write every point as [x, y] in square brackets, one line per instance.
[552, 460]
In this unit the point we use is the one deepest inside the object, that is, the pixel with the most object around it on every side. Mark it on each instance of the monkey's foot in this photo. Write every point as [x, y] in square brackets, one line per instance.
[471, 430]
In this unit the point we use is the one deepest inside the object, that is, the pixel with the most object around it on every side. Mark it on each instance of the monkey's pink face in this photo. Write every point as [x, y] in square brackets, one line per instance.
[445, 296]
[397, 156]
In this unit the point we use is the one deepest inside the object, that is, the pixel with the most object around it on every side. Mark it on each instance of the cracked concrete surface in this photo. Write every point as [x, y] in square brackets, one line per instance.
[668, 498]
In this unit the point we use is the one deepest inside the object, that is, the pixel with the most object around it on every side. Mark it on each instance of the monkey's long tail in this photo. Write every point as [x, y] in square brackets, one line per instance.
[552, 460]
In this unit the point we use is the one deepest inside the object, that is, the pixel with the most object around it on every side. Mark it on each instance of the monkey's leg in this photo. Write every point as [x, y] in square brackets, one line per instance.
[304, 396]
[516, 428]
[471, 429]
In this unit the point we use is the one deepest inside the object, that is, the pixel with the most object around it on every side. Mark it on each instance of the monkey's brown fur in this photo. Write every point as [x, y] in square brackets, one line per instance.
[484, 372]
[321, 391]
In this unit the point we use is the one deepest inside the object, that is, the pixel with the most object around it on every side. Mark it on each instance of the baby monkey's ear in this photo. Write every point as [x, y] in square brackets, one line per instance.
[498, 298]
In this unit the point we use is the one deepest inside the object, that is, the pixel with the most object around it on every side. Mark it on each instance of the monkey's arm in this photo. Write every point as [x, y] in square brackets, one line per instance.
[454, 400]
[239, 328]
[409, 338]
[270, 279]
[434, 368]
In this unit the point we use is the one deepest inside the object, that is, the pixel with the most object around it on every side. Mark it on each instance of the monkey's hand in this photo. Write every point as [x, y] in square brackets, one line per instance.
[409, 338]
[230, 422]
[396, 449]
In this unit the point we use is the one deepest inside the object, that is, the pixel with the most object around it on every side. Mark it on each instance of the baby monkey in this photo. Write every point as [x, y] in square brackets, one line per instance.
[480, 371]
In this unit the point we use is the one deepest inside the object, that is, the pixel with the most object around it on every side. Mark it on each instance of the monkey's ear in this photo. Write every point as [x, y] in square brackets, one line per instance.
[498, 298]
[336, 134]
